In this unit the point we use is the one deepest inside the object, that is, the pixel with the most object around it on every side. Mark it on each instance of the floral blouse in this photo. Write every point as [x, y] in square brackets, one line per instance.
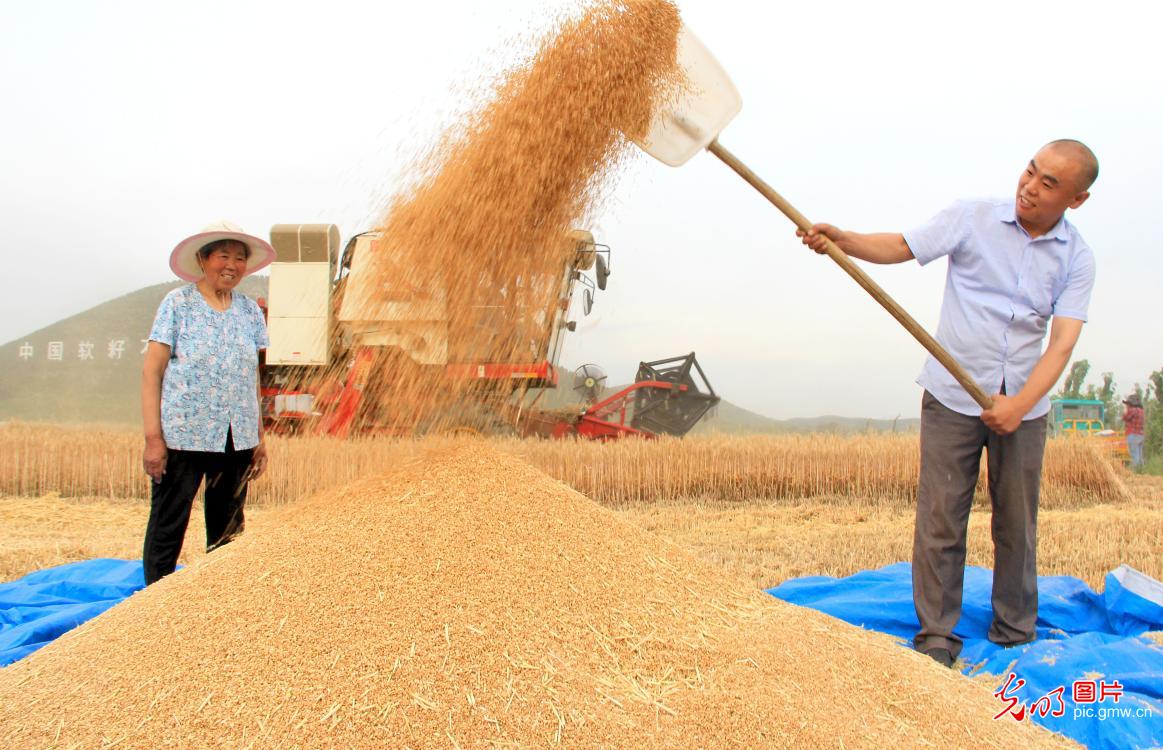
[211, 382]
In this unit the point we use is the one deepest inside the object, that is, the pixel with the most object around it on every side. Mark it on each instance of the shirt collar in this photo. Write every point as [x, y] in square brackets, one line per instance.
[1007, 213]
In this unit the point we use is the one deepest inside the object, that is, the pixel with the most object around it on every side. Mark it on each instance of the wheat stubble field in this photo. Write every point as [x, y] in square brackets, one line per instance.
[766, 507]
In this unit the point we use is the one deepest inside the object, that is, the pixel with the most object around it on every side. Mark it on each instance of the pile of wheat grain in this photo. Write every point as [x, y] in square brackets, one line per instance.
[469, 600]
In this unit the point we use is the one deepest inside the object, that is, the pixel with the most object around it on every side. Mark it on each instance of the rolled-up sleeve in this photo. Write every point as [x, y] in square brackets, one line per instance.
[1074, 301]
[165, 323]
[940, 236]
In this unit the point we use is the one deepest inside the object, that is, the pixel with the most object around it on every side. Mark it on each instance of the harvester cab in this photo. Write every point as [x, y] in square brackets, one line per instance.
[334, 332]
[300, 322]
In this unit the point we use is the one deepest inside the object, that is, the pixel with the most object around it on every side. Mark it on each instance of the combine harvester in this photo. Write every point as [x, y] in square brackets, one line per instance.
[330, 368]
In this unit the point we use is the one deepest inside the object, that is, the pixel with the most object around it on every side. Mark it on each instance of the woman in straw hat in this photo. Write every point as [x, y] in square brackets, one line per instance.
[199, 393]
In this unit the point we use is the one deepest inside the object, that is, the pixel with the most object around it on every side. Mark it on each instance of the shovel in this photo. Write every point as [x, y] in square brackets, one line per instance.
[692, 121]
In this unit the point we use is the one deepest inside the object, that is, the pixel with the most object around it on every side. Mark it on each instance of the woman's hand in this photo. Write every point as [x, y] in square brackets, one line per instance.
[258, 460]
[154, 458]
[157, 357]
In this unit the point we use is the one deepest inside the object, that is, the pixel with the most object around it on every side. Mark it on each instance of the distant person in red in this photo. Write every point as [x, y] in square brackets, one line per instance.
[1133, 424]
[199, 394]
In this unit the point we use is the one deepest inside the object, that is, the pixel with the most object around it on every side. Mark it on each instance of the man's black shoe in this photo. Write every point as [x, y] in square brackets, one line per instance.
[940, 655]
[1015, 644]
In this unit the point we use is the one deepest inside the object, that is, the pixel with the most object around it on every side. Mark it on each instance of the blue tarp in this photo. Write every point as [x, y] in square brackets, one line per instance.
[1082, 636]
[43, 605]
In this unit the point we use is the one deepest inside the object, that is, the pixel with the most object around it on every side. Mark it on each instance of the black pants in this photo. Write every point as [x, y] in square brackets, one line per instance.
[951, 445]
[173, 498]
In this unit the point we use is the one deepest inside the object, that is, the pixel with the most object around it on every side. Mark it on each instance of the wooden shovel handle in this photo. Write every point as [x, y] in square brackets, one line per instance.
[853, 270]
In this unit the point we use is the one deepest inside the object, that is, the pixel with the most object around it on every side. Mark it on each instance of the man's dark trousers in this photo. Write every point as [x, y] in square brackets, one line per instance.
[173, 498]
[951, 445]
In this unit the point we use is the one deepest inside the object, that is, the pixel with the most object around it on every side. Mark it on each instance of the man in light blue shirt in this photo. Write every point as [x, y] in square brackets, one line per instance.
[1014, 266]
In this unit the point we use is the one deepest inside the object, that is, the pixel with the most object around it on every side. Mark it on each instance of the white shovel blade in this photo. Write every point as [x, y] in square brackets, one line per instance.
[688, 123]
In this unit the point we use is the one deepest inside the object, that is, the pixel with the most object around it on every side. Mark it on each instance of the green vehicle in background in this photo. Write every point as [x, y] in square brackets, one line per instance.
[1077, 416]
[1086, 417]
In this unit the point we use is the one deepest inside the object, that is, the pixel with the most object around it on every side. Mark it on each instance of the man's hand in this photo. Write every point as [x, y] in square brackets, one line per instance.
[1006, 415]
[154, 458]
[258, 460]
[814, 238]
[881, 247]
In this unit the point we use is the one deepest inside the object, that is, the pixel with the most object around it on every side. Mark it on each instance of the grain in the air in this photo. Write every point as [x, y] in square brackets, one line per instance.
[477, 239]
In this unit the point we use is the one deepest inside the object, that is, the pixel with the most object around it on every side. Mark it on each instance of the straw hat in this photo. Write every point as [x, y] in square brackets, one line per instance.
[1133, 400]
[184, 258]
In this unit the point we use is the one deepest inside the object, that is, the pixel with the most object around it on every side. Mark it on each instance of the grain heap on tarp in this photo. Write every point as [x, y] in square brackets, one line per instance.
[478, 243]
[469, 600]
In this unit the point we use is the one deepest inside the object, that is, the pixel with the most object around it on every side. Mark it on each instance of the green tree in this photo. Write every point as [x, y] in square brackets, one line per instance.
[1072, 386]
[1153, 415]
[1109, 398]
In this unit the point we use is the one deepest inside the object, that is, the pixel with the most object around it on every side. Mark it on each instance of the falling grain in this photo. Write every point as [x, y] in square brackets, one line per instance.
[478, 242]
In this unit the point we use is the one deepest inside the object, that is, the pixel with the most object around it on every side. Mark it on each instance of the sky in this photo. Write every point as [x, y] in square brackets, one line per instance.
[126, 125]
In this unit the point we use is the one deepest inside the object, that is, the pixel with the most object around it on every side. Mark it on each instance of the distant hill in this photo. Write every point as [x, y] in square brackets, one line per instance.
[87, 368]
